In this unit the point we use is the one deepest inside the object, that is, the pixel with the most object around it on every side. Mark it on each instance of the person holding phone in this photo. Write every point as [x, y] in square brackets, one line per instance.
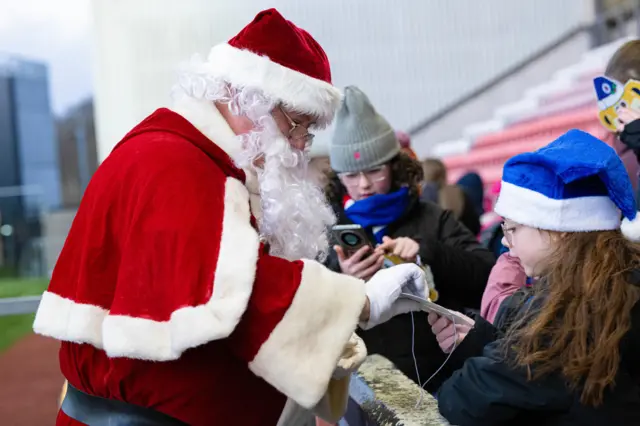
[377, 186]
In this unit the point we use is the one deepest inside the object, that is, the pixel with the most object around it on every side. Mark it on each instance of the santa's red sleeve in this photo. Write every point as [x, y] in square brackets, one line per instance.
[162, 257]
[299, 319]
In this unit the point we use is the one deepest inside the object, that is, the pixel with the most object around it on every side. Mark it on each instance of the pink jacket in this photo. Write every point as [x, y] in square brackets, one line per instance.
[506, 277]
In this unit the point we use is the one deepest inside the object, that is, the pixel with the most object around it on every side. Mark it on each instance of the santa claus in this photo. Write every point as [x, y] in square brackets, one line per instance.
[179, 296]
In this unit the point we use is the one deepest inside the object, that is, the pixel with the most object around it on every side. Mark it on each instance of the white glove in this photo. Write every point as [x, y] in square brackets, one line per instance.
[384, 288]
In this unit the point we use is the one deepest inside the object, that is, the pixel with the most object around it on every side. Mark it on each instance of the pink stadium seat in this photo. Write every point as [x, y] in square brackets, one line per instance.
[489, 152]
[578, 89]
[573, 108]
[546, 126]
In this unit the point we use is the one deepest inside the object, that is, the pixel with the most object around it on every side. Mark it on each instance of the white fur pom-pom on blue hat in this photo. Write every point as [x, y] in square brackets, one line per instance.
[631, 228]
[577, 183]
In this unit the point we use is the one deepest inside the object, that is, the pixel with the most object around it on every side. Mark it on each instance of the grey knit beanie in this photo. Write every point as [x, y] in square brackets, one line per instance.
[362, 138]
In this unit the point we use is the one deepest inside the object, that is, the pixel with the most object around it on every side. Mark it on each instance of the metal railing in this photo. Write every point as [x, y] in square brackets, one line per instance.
[19, 305]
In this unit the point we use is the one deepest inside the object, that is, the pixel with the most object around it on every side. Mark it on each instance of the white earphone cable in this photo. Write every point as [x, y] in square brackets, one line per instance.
[415, 361]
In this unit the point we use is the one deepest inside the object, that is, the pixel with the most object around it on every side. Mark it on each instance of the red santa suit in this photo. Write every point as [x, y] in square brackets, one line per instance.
[165, 297]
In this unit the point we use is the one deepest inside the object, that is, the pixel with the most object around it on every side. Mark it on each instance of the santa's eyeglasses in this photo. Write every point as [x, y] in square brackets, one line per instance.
[297, 131]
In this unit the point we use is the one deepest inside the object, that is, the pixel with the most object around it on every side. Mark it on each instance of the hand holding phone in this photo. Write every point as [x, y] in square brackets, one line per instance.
[351, 238]
[355, 252]
[363, 264]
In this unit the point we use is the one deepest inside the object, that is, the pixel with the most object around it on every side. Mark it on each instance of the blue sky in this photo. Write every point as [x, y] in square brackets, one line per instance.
[58, 33]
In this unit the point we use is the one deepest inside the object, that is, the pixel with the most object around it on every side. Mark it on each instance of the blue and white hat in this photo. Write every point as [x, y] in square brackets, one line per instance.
[576, 183]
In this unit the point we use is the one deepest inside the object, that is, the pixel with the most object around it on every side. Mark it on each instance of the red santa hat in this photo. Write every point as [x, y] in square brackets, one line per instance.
[284, 61]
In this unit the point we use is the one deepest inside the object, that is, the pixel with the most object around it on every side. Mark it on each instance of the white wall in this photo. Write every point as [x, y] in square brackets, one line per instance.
[411, 57]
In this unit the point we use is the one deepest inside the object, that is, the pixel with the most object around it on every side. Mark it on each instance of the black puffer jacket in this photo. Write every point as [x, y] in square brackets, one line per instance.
[460, 269]
[484, 390]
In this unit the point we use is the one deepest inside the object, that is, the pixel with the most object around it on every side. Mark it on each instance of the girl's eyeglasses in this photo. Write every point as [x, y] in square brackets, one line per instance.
[376, 174]
[508, 233]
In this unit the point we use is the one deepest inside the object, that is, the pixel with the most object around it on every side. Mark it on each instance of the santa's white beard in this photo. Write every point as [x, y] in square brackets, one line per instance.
[295, 215]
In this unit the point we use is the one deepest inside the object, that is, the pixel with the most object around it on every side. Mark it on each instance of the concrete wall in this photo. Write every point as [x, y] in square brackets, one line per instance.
[382, 395]
[55, 227]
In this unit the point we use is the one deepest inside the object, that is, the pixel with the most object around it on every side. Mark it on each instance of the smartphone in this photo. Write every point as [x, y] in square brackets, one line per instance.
[351, 238]
[429, 306]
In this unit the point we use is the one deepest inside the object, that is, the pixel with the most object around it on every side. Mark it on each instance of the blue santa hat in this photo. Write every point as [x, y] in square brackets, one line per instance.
[577, 183]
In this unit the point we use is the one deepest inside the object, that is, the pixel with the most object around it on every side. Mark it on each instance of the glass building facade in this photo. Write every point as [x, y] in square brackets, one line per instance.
[29, 166]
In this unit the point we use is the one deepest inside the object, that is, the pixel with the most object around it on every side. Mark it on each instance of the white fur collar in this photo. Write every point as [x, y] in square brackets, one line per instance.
[253, 186]
[205, 117]
[251, 182]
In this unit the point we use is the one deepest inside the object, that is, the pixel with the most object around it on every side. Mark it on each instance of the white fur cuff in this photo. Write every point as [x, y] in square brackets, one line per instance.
[302, 352]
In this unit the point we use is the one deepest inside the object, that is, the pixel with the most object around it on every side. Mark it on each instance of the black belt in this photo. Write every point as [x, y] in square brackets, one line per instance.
[96, 411]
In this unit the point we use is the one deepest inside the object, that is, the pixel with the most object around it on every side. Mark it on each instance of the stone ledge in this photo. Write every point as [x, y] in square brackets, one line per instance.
[389, 398]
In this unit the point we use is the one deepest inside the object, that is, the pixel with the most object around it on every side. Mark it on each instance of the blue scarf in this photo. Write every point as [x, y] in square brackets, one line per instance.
[376, 212]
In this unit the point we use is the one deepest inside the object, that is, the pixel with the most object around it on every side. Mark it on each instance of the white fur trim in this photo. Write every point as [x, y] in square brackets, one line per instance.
[533, 209]
[294, 89]
[205, 117]
[63, 319]
[255, 200]
[188, 327]
[303, 350]
[631, 228]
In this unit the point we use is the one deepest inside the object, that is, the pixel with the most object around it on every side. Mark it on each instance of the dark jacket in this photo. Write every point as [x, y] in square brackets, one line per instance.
[460, 269]
[470, 217]
[485, 390]
[471, 184]
[491, 238]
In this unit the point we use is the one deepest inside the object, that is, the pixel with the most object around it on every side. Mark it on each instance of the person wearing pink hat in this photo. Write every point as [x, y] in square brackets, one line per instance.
[405, 143]
[187, 290]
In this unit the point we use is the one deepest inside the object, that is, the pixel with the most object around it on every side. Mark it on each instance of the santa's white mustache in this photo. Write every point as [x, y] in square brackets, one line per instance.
[295, 215]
